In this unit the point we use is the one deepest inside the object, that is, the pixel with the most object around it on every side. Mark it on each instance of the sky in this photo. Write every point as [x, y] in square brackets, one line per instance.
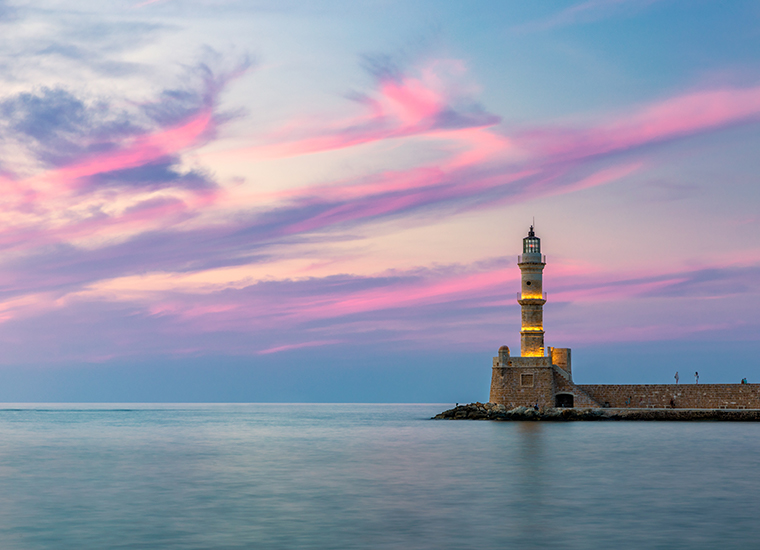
[213, 200]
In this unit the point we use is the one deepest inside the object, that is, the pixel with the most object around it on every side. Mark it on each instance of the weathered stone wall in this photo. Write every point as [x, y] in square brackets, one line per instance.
[530, 380]
[561, 358]
[511, 389]
[532, 305]
[531, 275]
[581, 398]
[523, 385]
[532, 314]
[685, 396]
[525, 381]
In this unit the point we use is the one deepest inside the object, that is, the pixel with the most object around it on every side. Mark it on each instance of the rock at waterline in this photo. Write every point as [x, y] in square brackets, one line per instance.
[493, 411]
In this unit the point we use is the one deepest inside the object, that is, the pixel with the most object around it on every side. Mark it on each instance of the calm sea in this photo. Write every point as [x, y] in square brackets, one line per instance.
[367, 476]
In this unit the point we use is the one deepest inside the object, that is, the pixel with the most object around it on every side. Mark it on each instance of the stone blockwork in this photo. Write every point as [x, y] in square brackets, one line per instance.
[561, 358]
[547, 382]
[515, 386]
[527, 381]
[682, 396]
[581, 398]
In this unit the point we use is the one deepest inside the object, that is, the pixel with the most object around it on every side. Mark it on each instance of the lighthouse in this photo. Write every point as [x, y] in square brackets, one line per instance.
[535, 377]
[531, 297]
[542, 377]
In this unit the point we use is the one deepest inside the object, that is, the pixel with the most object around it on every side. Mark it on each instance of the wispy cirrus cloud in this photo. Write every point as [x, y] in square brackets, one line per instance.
[539, 161]
[447, 307]
[550, 160]
[584, 12]
[99, 196]
[402, 104]
[691, 113]
[487, 168]
[78, 169]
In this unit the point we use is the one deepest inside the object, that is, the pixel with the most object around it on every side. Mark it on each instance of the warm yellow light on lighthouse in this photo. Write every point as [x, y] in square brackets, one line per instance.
[532, 300]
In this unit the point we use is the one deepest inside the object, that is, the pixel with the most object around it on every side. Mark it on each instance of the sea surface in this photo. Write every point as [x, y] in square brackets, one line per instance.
[291, 476]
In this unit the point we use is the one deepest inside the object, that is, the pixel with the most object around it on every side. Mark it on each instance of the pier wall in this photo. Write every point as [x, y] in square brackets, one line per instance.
[534, 380]
[685, 396]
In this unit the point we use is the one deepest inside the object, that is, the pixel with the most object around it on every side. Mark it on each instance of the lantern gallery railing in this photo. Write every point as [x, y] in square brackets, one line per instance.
[520, 258]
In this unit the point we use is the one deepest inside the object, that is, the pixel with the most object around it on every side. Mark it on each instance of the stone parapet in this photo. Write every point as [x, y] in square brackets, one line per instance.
[526, 362]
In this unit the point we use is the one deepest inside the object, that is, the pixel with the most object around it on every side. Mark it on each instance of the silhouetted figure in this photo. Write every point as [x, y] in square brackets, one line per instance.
[696, 377]
[676, 377]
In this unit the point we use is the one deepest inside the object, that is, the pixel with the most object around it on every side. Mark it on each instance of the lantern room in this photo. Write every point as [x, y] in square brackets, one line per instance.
[531, 243]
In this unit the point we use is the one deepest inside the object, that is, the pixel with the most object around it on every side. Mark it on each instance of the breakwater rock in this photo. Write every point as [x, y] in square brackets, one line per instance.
[492, 411]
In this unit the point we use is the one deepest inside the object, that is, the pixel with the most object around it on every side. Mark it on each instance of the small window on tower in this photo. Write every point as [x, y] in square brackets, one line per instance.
[526, 380]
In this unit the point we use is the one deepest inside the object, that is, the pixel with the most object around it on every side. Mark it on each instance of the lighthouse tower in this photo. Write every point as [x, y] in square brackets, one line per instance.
[532, 298]
[535, 377]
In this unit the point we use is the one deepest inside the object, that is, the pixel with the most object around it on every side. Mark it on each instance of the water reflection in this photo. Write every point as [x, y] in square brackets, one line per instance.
[533, 530]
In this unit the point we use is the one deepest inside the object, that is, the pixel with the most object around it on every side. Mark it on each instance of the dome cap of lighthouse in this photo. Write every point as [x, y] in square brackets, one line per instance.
[503, 348]
[531, 243]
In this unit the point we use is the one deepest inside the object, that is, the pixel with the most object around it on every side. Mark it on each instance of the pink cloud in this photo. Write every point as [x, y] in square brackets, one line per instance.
[287, 347]
[65, 203]
[600, 290]
[681, 116]
[652, 332]
[468, 286]
[448, 307]
[469, 176]
[135, 152]
[399, 107]
[451, 306]
[550, 158]
[412, 102]
[480, 167]
[529, 164]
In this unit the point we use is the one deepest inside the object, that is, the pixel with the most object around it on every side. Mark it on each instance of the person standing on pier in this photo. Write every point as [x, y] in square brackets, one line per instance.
[676, 377]
[696, 377]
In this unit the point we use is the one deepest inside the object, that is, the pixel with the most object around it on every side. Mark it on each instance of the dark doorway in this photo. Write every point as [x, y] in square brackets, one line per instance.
[564, 400]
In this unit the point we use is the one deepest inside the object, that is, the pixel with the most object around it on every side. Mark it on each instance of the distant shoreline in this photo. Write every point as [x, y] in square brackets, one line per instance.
[491, 411]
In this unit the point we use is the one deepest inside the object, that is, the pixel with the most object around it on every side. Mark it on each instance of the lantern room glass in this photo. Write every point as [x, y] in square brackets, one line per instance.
[531, 245]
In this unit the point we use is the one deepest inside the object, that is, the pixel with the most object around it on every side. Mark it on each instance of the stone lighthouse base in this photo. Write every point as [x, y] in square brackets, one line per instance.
[546, 382]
